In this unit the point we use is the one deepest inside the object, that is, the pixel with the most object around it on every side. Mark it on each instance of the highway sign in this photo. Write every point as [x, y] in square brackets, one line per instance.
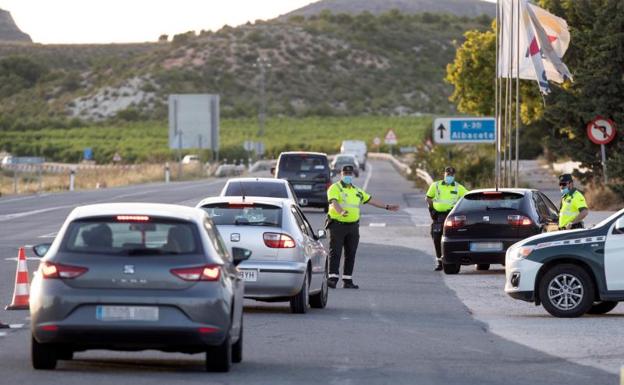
[391, 138]
[194, 121]
[464, 130]
[248, 145]
[377, 141]
[87, 154]
[601, 130]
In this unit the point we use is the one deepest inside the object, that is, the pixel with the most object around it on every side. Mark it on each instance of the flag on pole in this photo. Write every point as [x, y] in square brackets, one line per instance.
[543, 39]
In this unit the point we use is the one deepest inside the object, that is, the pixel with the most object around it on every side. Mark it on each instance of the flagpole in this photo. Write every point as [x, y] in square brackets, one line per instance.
[503, 102]
[510, 114]
[497, 99]
[517, 95]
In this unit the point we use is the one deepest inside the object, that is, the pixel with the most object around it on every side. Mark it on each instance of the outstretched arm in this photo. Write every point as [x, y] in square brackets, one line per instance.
[382, 205]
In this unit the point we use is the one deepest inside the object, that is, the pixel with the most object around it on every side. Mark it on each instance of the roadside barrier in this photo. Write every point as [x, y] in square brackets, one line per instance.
[21, 293]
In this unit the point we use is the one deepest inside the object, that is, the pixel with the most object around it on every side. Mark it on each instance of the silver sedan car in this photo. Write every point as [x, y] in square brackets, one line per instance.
[288, 263]
[133, 276]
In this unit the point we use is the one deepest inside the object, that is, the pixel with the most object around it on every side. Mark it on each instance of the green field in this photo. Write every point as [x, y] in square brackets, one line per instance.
[147, 141]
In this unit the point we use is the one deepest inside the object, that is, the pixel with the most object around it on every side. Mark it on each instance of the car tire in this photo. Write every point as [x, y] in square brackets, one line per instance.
[578, 286]
[43, 356]
[299, 302]
[319, 300]
[483, 266]
[602, 307]
[219, 358]
[451, 268]
[237, 348]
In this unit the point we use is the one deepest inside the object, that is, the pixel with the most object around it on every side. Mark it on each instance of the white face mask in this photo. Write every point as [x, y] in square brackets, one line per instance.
[347, 179]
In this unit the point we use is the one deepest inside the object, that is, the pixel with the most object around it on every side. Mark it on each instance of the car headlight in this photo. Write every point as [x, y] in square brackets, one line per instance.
[522, 252]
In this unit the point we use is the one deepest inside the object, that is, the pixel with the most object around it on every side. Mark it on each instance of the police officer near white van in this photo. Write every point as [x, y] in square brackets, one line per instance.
[344, 225]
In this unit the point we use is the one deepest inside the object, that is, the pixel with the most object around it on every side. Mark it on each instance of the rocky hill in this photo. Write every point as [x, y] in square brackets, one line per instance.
[9, 32]
[391, 64]
[469, 8]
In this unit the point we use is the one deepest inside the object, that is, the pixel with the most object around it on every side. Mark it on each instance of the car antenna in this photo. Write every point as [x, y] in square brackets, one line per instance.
[242, 189]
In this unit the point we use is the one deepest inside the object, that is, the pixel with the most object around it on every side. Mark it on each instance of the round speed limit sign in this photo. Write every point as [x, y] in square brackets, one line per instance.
[601, 130]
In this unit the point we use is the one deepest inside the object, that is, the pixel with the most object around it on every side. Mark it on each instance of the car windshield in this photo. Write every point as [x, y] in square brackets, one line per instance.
[484, 201]
[244, 214]
[299, 163]
[257, 189]
[131, 235]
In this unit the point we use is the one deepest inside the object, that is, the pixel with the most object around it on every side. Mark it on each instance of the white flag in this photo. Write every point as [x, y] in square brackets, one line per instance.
[543, 39]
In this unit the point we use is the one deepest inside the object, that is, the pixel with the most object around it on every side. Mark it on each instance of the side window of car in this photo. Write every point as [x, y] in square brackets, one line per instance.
[552, 209]
[309, 229]
[542, 210]
[216, 240]
[299, 220]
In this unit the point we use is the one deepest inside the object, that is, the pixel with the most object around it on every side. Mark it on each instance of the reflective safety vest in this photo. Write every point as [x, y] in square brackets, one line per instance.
[445, 196]
[349, 197]
[571, 205]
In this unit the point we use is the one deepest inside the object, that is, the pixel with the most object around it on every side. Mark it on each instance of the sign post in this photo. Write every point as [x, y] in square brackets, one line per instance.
[602, 131]
[391, 139]
[464, 130]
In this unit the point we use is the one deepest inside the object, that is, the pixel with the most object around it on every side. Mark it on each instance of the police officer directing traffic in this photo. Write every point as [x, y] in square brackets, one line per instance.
[441, 198]
[343, 224]
[573, 206]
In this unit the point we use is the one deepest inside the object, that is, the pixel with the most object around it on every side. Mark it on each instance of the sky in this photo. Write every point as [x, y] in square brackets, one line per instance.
[119, 21]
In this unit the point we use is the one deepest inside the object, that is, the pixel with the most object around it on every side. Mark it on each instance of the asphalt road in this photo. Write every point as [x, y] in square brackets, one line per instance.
[404, 326]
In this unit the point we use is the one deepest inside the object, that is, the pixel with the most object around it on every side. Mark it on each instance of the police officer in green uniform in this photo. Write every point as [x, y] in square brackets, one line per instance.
[441, 198]
[343, 224]
[573, 206]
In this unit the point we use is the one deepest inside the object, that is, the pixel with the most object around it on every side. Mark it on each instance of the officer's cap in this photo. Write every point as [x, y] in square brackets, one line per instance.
[347, 168]
[565, 178]
[449, 170]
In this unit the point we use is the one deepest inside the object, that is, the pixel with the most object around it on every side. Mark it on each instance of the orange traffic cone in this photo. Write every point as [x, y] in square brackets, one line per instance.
[21, 294]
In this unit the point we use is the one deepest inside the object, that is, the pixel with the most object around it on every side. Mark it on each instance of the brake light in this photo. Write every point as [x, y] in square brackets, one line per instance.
[278, 241]
[239, 205]
[207, 330]
[519, 220]
[455, 221]
[133, 218]
[56, 270]
[49, 328]
[198, 273]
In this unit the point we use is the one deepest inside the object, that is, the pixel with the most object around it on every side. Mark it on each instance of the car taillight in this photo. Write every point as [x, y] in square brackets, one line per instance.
[56, 270]
[199, 273]
[455, 221]
[519, 220]
[278, 241]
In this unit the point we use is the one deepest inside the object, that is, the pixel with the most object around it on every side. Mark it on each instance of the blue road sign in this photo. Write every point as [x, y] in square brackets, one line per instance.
[464, 130]
[87, 153]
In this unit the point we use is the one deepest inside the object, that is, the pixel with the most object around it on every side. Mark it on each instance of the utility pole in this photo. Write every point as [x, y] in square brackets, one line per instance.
[262, 64]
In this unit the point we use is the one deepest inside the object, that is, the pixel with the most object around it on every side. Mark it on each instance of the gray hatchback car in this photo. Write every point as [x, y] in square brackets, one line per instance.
[134, 276]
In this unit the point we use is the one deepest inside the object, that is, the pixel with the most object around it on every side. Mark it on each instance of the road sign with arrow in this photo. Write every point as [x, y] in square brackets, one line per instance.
[464, 130]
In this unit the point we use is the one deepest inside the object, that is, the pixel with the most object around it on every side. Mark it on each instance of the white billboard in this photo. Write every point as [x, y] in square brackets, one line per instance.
[194, 121]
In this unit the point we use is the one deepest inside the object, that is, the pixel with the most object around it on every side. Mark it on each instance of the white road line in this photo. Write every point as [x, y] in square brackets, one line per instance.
[2, 334]
[376, 224]
[16, 326]
[8, 217]
[27, 259]
[368, 177]
[49, 235]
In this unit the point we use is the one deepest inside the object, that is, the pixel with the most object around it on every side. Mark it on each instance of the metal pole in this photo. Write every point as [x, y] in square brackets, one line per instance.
[497, 167]
[14, 179]
[262, 64]
[517, 95]
[510, 85]
[167, 173]
[40, 166]
[604, 163]
[179, 134]
[72, 179]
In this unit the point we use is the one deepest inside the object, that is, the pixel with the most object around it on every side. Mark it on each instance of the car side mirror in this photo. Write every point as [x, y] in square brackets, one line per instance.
[240, 254]
[321, 234]
[619, 226]
[41, 249]
[273, 171]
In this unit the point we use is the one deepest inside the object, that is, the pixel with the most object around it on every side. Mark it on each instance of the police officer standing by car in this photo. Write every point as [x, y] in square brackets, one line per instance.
[441, 198]
[343, 221]
[573, 206]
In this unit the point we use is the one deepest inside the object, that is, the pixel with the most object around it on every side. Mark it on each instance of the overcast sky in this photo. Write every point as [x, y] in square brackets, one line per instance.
[106, 21]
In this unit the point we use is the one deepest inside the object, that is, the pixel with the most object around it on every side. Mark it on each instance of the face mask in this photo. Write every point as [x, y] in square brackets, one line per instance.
[449, 179]
[347, 179]
[564, 191]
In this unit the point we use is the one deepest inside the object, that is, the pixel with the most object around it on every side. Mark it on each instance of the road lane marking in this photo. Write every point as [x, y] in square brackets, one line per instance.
[368, 177]
[49, 235]
[372, 224]
[3, 334]
[27, 259]
[8, 217]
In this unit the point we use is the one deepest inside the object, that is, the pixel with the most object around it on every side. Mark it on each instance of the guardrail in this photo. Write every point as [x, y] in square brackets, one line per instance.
[401, 167]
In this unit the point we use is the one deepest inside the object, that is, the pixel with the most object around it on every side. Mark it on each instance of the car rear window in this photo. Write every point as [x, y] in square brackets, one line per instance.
[305, 163]
[490, 200]
[131, 235]
[257, 189]
[244, 214]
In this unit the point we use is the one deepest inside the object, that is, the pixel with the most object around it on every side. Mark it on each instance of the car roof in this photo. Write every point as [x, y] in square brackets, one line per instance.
[302, 153]
[263, 180]
[281, 202]
[151, 209]
[522, 191]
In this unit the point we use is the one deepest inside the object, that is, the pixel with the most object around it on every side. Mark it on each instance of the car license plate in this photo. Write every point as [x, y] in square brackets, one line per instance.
[486, 246]
[248, 275]
[126, 313]
[305, 187]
